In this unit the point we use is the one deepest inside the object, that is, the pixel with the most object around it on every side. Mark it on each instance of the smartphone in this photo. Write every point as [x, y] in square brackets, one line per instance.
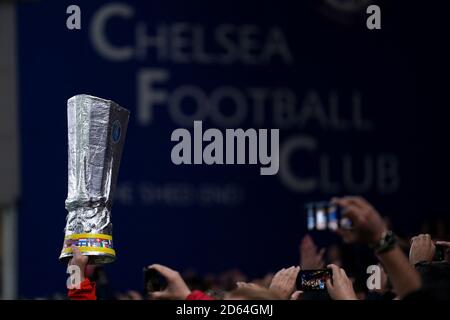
[326, 216]
[313, 280]
[153, 281]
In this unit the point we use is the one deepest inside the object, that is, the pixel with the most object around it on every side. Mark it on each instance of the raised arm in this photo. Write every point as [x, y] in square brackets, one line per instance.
[370, 228]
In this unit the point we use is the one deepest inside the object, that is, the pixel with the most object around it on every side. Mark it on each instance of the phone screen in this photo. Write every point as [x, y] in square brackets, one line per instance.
[333, 223]
[326, 216]
[310, 217]
[321, 220]
[311, 280]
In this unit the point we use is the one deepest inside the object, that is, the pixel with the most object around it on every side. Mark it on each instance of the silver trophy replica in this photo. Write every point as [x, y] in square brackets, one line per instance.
[96, 131]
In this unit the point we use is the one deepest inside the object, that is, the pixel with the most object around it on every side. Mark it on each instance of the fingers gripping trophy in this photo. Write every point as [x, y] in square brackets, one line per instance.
[96, 135]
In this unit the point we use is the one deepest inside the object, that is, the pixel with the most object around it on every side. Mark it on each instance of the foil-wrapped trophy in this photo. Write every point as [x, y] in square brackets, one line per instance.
[96, 132]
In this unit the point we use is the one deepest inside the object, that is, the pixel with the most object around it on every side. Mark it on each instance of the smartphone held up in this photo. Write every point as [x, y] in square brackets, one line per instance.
[326, 216]
[313, 280]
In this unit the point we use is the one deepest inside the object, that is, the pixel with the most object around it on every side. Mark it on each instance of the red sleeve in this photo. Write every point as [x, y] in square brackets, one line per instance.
[86, 291]
[198, 295]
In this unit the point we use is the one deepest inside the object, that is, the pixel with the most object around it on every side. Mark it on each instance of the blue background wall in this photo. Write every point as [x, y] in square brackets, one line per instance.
[258, 225]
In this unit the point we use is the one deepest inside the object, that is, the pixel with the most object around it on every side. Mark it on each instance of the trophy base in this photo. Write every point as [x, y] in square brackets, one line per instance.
[98, 247]
[94, 257]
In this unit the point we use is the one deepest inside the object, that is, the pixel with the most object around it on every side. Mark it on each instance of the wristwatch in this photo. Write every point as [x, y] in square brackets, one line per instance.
[386, 243]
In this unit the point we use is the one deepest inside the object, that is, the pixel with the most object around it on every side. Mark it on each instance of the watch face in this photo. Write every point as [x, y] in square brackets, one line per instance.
[386, 243]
